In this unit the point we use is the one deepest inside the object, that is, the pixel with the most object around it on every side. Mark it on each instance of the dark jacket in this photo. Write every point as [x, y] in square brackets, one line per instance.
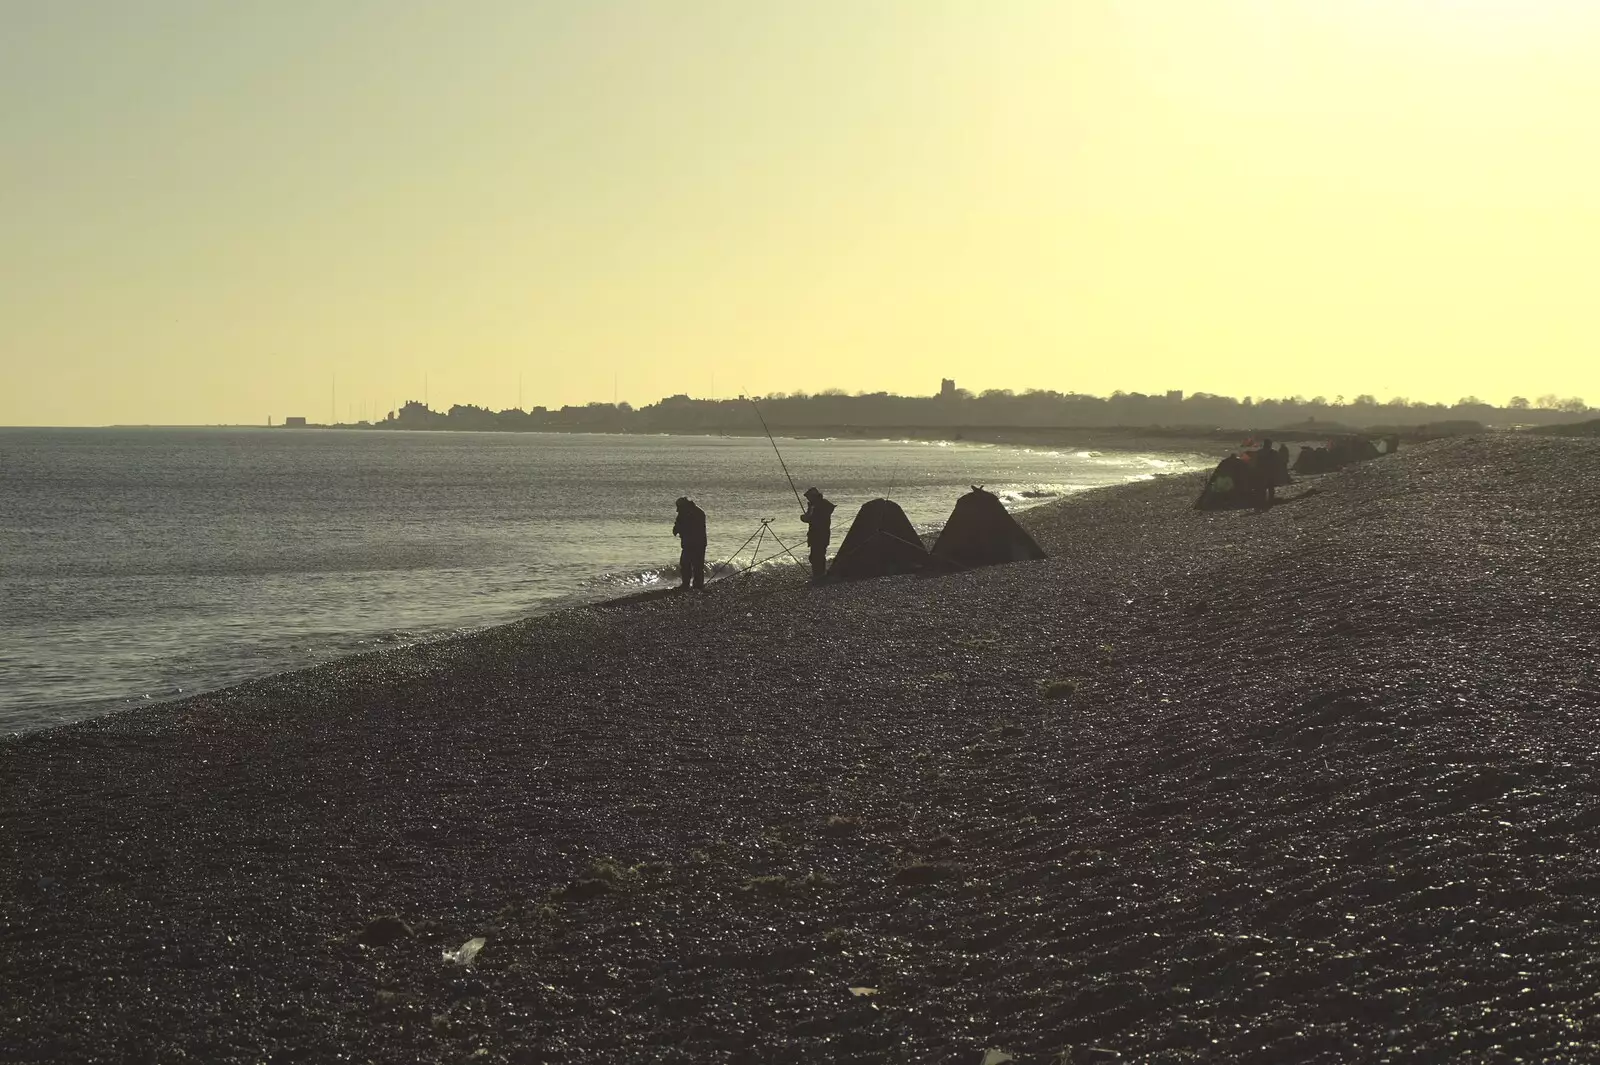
[690, 526]
[818, 516]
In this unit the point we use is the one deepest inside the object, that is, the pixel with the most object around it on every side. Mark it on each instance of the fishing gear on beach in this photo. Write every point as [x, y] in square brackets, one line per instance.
[753, 543]
[778, 453]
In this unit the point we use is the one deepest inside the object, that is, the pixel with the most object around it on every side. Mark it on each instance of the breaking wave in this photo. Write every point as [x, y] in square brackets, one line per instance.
[667, 576]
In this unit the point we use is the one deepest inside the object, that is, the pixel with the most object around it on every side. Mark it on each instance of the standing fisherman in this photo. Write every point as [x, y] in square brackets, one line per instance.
[817, 516]
[690, 529]
[1265, 461]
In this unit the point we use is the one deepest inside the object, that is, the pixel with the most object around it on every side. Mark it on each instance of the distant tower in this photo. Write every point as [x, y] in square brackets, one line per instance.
[947, 388]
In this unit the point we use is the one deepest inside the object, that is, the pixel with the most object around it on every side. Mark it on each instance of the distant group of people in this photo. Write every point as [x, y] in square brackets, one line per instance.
[1343, 450]
[690, 529]
[1248, 478]
[1252, 476]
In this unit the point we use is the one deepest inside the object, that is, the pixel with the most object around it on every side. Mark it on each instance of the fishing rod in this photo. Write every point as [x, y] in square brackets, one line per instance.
[778, 453]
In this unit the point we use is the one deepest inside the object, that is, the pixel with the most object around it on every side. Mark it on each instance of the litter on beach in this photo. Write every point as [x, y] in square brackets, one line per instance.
[466, 955]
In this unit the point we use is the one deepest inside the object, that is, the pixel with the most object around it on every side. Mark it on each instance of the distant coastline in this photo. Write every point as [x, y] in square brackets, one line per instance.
[957, 411]
[1034, 417]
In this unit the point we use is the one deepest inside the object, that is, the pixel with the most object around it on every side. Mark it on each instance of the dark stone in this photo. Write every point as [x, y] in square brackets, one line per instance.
[383, 931]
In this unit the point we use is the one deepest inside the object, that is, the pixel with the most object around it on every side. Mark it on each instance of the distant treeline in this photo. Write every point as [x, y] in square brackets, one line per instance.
[996, 408]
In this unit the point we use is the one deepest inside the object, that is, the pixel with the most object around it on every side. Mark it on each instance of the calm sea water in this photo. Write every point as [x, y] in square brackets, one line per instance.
[143, 564]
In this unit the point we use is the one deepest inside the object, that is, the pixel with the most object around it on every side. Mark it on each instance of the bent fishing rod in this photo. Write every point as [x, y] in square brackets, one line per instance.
[778, 453]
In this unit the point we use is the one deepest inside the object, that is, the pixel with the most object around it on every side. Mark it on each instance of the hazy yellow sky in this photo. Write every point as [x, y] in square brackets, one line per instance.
[208, 211]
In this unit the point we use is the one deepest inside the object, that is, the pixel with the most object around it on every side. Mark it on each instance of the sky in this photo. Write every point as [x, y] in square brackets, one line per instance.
[217, 213]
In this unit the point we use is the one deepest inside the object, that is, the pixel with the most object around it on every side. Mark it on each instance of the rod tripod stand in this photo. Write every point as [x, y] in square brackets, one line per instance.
[754, 544]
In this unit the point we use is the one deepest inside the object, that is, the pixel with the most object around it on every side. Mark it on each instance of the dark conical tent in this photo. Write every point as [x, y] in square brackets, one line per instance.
[980, 532]
[1234, 483]
[880, 542]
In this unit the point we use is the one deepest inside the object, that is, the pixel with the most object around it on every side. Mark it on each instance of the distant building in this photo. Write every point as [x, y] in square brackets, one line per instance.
[1175, 394]
[947, 388]
[294, 423]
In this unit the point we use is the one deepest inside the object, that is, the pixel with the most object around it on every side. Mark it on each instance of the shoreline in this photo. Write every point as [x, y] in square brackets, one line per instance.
[557, 604]
[1136, 439]
[1231, 785]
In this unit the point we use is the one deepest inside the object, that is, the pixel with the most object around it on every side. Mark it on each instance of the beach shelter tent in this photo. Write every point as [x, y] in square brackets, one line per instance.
[1341, 452]
[1350, 449]
[1236, 482]
[980, 532]
[880, 542]
[1314, 460]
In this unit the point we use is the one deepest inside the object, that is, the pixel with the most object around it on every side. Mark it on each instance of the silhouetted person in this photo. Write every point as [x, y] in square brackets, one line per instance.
[818, 517]
[1266, 464]
[690, 529]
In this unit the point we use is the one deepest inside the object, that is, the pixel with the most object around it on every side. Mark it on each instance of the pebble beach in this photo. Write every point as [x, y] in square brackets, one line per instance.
[1310, 785]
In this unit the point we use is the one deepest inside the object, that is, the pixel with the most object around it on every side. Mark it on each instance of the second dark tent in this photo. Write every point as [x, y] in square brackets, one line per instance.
[981, 532]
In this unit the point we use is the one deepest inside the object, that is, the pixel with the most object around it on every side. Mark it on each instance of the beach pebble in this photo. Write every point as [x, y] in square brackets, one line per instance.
[382, 931]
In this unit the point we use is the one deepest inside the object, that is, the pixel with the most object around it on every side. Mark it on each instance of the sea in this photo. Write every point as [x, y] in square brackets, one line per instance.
[142, 565]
